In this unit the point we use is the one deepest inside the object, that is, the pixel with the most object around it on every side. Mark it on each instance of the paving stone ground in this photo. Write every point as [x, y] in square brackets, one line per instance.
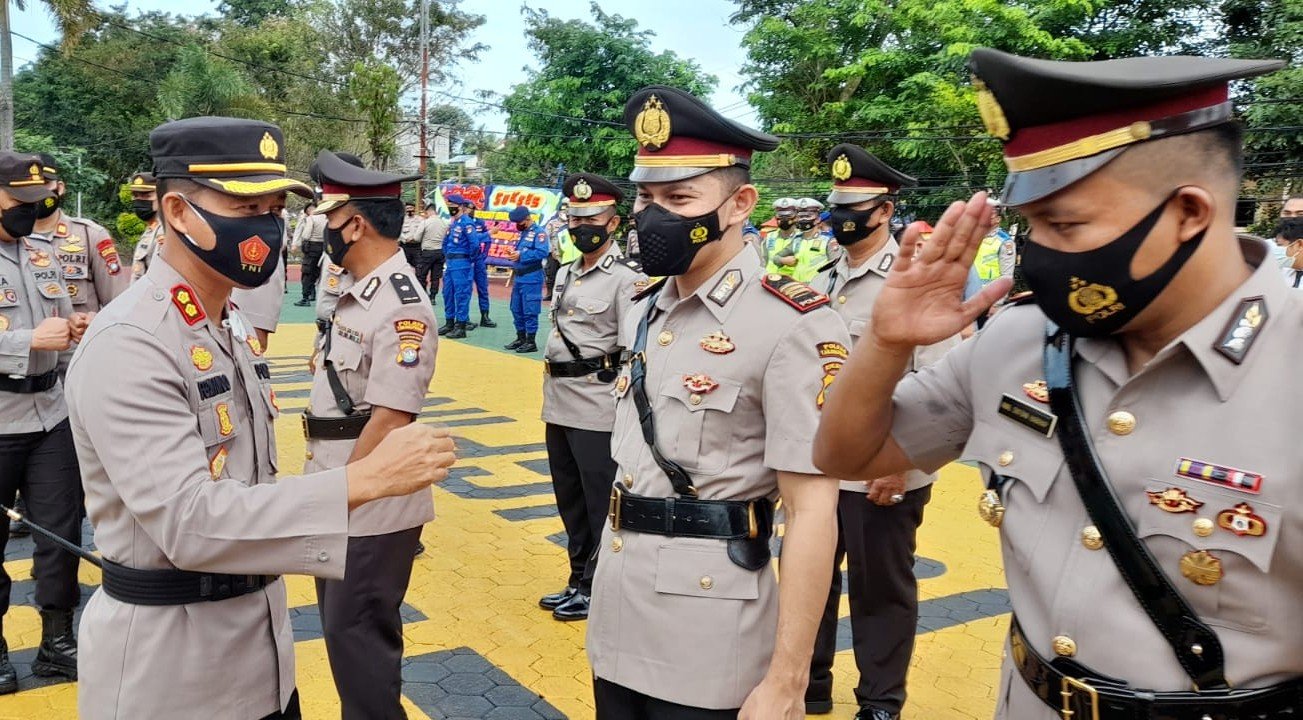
[478, 647]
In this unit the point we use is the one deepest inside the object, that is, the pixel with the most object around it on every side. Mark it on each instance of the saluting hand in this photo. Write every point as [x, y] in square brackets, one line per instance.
[922, 300]
[408, 459]
[54, 333]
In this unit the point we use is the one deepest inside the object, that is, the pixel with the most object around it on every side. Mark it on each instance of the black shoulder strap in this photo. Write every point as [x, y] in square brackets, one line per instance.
[556, 319]
[407, 293]
[1196, 646]
[342, 400]
[638, 385]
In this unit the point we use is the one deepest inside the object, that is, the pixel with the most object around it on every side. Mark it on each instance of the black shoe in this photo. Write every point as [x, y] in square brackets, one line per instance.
[8, 676]
[58, 652]
[528, 346]
[872, 713]
[556, 599]
[486, 321]
[458, 332]
[818, 707]
[469, 326]
[420, 548]
[304, 303]
[576, 608]
[520, 340]
[447, 328]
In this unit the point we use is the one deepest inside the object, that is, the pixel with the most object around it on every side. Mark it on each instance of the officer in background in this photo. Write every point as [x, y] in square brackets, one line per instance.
[594, 297]
[179, 456]
[877, 521]
[84, 249]
[780, 244]
[1146, 549]
[38, 326]
[527, 279]
[557, 232]
[429, 268]
[812, 243]
[480, 245]
[307, 241]
[335, 279]
[371, 379]
[458, 248]
[715, 416]
[407, 239]
[144, 205]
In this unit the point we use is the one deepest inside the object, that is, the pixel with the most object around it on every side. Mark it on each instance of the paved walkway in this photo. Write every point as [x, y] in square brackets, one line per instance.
[477, 645]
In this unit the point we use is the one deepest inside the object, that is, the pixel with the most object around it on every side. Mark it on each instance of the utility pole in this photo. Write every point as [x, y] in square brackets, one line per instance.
[425, 87]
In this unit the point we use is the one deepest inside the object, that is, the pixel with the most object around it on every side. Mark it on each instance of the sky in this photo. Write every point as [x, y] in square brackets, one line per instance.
[695, 29]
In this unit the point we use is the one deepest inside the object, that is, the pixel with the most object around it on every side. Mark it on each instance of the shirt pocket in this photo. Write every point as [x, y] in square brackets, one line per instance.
[695, 426]
[1025, 467]
[219, 429]
[8, 297]
[856, 328]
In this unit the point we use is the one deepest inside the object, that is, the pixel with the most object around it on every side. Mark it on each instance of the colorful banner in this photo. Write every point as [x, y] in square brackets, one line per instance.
[494, 202]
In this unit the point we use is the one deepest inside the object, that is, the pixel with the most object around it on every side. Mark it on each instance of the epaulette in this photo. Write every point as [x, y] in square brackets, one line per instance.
[630, 263]
[407, 293]
[654, 287]
[793, 292]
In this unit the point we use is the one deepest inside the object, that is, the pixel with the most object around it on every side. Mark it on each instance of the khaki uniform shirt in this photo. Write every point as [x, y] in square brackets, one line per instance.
[90, 263]
[311, 228]
[411, 223]
[261, 306]
[673, 617]
[146, 248]
[335, 280]
[853, 292]
[589, 306]
[32, 288]
[382, 345]
[1192, 406]
[178, 459]
[432, 232]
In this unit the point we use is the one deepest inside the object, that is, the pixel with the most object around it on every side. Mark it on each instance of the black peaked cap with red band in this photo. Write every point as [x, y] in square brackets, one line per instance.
[680, 137]
[342, 182]
[857, 176]
[590, 195]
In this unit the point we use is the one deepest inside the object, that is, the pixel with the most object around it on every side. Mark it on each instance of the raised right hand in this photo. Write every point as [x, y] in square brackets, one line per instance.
[922, 300]
[52, 334]
[408, 459]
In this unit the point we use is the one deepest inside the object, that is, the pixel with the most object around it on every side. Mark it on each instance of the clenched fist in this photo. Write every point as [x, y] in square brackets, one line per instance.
[408, 459]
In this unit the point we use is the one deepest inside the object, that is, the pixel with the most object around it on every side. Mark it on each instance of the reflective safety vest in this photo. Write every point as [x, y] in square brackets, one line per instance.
[987, 262]
[776, 245]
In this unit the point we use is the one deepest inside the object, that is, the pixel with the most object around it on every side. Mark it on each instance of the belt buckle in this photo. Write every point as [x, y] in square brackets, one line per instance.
[303, 420]
[547, 368]
[1069, 688]
[753, 528]
[613, 511]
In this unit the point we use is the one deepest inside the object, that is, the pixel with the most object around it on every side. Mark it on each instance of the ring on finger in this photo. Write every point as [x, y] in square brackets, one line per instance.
[897, 498]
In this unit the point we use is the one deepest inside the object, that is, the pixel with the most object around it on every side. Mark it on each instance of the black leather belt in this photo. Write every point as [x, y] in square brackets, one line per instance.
[585, 367]
[334, 428]
[457, 256]
[30, 384]
[523, 271]
[1078, 693]
[176, 587]
[323, 326]
[686, 517]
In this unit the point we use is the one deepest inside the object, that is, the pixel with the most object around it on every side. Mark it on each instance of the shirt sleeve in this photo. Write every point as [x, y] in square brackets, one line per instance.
[796, 385]
[15, 351]
[933, 409]
[402, 359]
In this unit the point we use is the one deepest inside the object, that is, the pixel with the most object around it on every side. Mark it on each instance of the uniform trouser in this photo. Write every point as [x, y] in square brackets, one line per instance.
[582, 473]
[429, 270]
[550, 269]
[482, 284]
[527, 302]
[457, 289]
[43, 465]
[310, 269]
[878, 544]
[411, 251]
[616, 702]
[362, 626]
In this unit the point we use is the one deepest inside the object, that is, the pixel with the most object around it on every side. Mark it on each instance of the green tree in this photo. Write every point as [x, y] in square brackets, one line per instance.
[570, 110]
[73, 17]
[373, 89]
[252, 13]
[452, 122]
[201, 84]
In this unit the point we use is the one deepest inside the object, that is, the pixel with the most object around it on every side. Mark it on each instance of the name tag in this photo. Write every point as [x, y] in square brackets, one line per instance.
[213, 386]
[1027, 415]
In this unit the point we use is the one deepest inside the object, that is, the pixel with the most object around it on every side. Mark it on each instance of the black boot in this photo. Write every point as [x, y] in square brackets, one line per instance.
[447, 327]
[469, 326]
[58, 652]
[528, 346]
[458, 332]
[8, 676]
[486, 321]
[520, 340]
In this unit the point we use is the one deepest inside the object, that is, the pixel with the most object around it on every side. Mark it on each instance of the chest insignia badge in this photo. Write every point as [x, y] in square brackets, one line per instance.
[1173, 500]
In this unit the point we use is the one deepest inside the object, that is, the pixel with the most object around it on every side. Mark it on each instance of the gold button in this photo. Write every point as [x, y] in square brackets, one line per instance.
[617, 544]
[665, 338]
[695, 399]
[628, 481]
[707, 582]
[570, 312]
[1064, 646]
[1203, 527]
[308, 455]
[841, 299]
[1006, 457]
[578, 283]
[1121, 423]
[1091, 538]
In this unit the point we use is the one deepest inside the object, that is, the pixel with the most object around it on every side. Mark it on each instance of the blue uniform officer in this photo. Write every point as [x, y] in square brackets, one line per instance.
[459, 248]
[527, 288]
[480, 258]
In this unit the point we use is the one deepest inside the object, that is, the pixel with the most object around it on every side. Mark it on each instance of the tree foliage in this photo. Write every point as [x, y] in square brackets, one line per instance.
[373, 88]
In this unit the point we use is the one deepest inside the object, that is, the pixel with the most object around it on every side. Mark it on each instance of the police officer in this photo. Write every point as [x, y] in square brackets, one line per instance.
[407, 239]
[480, 245]
[527, 279]
[38, 326]
[179, 455]
[459, 246]
[144, 205]
[715, 416]
[594, 296]
[878, 521]
[781, 244]
[84, 249]
[811, 246]
[371, 378]
[1143, 542]
[429, 268]
[307, 241]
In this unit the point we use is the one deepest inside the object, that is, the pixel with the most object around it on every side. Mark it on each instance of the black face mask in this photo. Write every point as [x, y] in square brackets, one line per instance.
[246, 248]
[333, 243]
[804, 225]
[1290, 228]
[522, 226]
[851, 226]
[143, 209]
[668, 241]
[588, 238]
[47, 207]
[1092, 293]
[785, 223]
[19, 220]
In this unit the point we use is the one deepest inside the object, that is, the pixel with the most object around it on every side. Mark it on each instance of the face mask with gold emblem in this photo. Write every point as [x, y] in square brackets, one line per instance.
[1092, 293]
[669, 241]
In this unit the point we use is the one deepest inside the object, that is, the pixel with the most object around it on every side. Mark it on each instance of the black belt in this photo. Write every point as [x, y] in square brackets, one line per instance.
[334, 428]
[1078, 693]
[30, 384]
[176, 587]
[585, 367]
[323, 326]
[523, 271]
[745, 524]
[457, 256]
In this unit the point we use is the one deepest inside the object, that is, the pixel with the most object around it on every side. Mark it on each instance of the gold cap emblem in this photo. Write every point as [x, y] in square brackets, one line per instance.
[841, 168]
[34, 171]
[138, 181]
[582, 190]
[269, 148]
[652, 126]
[989, 108]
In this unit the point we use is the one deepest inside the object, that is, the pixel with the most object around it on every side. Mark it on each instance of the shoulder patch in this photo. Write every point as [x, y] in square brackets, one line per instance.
[407, 293]
[795, 293]
[630, 263]
[109, 252]
[651, 289]
[1244, 327]
[369, 291]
